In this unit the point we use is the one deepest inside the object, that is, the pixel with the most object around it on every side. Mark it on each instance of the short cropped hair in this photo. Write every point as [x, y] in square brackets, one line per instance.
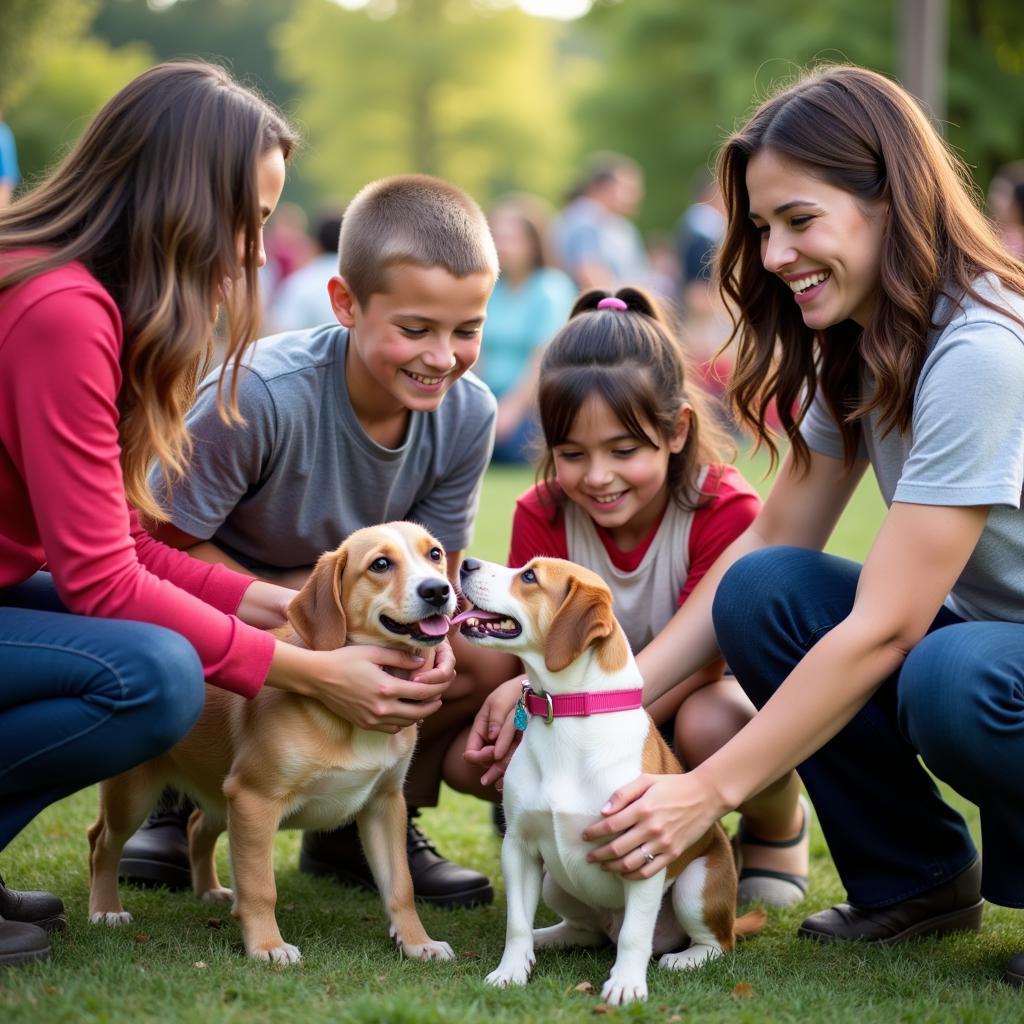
[416, 220]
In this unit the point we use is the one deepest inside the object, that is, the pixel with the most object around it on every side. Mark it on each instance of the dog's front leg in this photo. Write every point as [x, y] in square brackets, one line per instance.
[252, 825]
[382, 830]
[628, 979]
[522, 870]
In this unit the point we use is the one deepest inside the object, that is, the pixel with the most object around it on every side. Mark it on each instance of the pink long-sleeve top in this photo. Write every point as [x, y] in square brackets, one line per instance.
[62, 498]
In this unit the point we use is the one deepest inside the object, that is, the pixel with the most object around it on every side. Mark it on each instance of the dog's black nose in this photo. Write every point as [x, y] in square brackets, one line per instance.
[434, 592]
[470, 565]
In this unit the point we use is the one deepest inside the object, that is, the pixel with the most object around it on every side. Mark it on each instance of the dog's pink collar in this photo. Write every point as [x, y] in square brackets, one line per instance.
[574, 705]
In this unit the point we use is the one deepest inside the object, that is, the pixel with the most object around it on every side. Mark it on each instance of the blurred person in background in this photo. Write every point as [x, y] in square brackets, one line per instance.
[1006, 205]
[595, 240]
[302, 299]
[287, 246]
[9, 173]
[530, 302]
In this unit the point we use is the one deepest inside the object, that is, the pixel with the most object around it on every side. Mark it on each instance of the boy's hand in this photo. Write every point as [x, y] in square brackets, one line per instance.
[265, 605]
[493, 737]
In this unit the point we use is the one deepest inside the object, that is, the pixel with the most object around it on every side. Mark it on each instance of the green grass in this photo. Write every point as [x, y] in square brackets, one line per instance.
[182, 960]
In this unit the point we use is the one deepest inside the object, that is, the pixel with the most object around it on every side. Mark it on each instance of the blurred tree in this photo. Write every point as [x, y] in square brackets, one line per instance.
[678, 76]
[468, 90]
[235, 31]
[29, 29]
[70, 85]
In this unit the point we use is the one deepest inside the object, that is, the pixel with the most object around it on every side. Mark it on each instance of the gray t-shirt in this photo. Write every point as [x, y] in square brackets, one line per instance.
[965, 445]
[302, 473]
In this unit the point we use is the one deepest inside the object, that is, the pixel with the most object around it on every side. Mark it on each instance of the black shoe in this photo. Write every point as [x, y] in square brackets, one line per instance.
[339, 854]
[1014, 974]
[22, 944]
[953, 907]
[158, 853]
[42, 909]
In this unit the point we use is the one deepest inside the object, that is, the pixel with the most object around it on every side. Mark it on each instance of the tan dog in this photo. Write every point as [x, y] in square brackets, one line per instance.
[285, 761]
[587, 735]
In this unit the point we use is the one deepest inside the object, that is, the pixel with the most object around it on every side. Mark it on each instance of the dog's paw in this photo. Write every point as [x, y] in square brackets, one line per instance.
[428, 951]
[220, 895]
[513, 970]
[622, 988]
[111, 918]
[285, 953]
[689, 958]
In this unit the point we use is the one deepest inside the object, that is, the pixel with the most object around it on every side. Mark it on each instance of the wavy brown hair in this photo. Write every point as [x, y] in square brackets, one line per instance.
[631, 360]
[860, 132]
[153, 200]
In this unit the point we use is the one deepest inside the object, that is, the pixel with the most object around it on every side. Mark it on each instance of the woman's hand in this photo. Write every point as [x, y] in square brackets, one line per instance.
[352, 684]
[438, 666]
[493, 736]
[660, 815]
[265, 605]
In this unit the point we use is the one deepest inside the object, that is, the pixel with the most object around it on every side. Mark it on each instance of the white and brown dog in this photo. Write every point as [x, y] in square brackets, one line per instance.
[587, 735]
[285, 761]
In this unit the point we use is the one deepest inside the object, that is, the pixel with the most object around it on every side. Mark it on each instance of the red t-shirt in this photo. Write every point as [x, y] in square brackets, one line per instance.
[732, 508]
[62, 499]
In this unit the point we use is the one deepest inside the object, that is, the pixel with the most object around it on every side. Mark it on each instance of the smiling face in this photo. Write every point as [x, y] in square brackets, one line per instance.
[825, 244]
[619, 480]
[410, 344]
[384, 585]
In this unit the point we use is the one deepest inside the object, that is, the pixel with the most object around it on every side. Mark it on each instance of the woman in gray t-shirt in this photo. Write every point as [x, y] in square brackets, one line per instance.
[877, 311]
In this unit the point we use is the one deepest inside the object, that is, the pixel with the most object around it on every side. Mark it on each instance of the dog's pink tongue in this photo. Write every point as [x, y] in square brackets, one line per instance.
[476, 613]
[436, 625]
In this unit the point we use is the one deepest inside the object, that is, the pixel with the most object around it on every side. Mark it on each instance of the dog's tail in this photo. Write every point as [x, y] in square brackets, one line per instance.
[750, 923]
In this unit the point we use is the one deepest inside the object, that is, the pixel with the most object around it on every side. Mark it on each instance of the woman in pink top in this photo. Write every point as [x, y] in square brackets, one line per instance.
[111, 275]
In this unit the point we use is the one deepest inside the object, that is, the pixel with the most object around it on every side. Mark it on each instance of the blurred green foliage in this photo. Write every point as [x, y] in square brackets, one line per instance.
[494, 99]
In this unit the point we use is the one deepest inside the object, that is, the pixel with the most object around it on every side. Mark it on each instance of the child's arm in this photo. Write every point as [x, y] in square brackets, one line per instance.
[802, 510]
[732, 509]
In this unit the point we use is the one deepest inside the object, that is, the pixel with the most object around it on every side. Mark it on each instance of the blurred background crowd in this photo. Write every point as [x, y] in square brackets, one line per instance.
[585, 128]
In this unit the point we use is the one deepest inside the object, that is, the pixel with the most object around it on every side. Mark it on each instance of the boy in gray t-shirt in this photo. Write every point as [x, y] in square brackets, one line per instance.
[370, 419]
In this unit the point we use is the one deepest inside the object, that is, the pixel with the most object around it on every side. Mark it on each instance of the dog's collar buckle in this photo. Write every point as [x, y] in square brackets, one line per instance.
[573, 705]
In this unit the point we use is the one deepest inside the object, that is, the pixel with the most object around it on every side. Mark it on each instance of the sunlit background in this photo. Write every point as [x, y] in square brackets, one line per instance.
[500, 95]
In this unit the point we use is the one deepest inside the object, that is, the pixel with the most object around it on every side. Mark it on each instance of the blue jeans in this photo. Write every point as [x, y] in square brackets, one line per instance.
[957, 703]
[82, 699]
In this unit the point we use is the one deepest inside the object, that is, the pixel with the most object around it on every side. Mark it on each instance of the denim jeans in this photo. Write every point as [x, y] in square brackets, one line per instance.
[957, 703]
[82, 699]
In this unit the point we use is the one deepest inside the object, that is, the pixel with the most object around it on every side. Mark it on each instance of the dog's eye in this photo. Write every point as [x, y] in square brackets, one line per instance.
[381, 564]
[435, 554]
[529, 576]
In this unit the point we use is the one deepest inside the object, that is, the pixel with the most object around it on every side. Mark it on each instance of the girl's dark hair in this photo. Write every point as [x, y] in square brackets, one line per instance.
[631, 360]
[153, 200]
[860, 132]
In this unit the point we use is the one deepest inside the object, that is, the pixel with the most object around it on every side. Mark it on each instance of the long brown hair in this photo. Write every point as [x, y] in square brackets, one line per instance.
[631, 360]
[858, 131]
[152, 200]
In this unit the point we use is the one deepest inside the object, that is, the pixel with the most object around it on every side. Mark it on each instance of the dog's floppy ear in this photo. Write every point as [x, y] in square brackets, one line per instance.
[583, 617]
[315, 612]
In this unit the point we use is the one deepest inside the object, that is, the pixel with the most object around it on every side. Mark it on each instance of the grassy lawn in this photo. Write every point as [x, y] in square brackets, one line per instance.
[182, 960]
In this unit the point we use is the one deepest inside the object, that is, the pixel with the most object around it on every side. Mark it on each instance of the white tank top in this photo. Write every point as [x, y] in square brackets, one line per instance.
[646, 598]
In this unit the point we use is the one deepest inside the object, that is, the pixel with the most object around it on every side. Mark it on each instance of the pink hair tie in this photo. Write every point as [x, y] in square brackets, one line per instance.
[612, 302]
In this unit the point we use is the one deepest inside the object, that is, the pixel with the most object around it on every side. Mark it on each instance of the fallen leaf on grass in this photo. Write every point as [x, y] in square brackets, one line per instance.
[675, 1019]
[200, 964]
[601, 1008]
[584, 987]
[470, 954]
[214, 922]
[743, 991]
[140, 938]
